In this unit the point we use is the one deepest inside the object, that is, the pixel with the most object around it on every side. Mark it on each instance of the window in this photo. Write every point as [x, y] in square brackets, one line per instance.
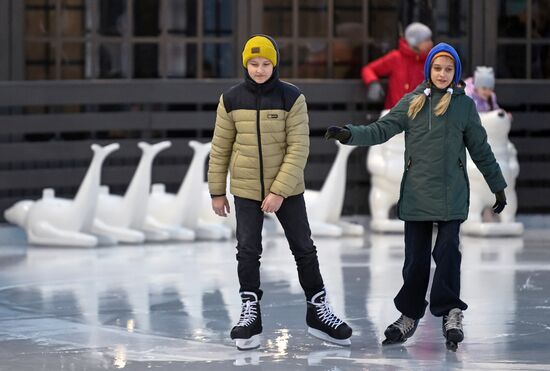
[329, 38]
[54, 39]
[77, 39]
[452, 26]
[523, 39]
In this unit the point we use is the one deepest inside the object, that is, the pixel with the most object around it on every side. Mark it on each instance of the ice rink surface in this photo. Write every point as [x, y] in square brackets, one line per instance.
[171, 306]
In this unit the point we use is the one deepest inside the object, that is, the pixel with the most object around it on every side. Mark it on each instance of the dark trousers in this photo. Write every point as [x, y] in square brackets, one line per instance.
[445, 292]
[293, 218]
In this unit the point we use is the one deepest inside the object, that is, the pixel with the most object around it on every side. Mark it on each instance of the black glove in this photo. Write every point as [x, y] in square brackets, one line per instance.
[500, 202]
[375, 92]
[338, 133]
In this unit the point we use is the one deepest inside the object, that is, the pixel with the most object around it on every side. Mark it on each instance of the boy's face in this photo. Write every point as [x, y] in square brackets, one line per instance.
[442, 72]
[260, 69]
[484, 93]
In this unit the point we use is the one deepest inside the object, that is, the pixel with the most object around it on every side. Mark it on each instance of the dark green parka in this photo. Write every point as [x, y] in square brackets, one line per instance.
[435, 184]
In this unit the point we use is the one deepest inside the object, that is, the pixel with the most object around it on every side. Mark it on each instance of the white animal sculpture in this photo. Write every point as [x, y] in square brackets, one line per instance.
[385, 163]
[182, 210]
[63, 222]
[497, 124]
[130, 211]
[225, 226]
[324, 207]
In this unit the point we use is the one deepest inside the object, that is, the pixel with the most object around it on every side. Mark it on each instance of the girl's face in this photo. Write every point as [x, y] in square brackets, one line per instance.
[442, 71]
[260, 69]
[484, 93]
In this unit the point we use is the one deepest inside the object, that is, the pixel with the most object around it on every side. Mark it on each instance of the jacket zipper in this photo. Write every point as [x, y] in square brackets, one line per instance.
[409, 163]
[258, 134]
[446, 173]
[464, 172]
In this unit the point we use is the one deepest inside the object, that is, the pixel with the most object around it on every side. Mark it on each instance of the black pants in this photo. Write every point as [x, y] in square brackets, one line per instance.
[293, 218]
[445, 293]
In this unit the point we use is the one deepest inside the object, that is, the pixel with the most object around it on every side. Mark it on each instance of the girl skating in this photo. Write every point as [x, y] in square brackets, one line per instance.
[440, 122]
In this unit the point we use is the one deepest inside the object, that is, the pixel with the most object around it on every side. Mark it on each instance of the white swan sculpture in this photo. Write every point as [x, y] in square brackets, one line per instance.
[182, 210]
[130, 211]
[56, 221]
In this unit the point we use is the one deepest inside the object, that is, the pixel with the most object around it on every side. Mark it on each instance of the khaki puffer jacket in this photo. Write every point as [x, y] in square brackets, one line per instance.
[262, 138]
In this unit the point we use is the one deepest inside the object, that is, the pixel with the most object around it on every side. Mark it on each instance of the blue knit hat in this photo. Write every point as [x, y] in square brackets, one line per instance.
[443, 47]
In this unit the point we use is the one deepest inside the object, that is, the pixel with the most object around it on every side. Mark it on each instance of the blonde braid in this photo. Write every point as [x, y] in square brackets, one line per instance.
[416, 105]
[443, 104]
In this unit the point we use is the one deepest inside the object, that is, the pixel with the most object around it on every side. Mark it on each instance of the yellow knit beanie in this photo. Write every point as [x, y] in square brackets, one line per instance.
[259, 46]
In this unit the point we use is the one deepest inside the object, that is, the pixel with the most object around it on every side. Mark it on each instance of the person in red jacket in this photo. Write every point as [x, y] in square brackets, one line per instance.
[404, 66]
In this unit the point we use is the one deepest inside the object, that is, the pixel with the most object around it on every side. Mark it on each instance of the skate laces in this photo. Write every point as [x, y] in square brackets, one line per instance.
[324, 312]
[249, 312]
[453, 321]
[404, 324]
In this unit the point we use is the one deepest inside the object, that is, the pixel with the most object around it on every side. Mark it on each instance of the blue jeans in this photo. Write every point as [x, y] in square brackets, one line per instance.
[293, 218]
[445, 292]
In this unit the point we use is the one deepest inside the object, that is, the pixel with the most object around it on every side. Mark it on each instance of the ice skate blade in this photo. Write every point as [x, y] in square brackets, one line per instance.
[321, 335]
[393, 342]
[248, 344]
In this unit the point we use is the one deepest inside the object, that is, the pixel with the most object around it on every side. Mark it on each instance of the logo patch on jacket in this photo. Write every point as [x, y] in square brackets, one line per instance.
[272, 116]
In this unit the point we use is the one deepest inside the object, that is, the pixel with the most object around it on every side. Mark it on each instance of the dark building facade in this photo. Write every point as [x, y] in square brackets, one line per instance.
[76, 72]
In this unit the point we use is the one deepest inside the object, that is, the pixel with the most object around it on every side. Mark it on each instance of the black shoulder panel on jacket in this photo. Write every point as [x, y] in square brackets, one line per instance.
[291, 93]
[233, 96]
[282, 96]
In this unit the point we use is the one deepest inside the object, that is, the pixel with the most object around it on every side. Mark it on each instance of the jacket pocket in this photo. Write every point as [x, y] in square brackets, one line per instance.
[465, 174]
[233, 163]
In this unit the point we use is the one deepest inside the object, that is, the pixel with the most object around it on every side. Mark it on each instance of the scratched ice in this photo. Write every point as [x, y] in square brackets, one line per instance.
[171, 306]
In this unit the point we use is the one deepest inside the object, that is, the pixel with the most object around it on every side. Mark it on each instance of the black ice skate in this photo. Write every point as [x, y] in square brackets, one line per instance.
[452, 329]
[323, 323]
[400, 330]
[246, 332]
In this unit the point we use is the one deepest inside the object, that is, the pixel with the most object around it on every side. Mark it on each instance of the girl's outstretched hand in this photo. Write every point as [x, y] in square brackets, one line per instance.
[500, 202]
[339, 133]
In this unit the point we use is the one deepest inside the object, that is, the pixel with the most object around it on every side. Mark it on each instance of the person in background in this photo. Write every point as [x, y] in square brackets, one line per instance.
[440, 122]
[261, 138]
[403, 66]
[481, 88]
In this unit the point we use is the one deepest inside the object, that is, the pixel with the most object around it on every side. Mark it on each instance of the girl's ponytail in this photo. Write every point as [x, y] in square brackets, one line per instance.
[418, 101]
[443, 104]
[416, 105]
